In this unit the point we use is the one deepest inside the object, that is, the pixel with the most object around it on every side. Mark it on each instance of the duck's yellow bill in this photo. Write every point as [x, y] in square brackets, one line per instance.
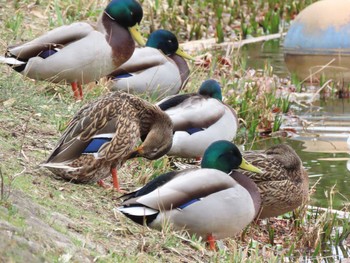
[135, 33]
[183, 54]
[249, 167]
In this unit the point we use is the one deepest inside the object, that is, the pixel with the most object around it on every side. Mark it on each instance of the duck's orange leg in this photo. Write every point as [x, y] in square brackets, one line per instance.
[77, 91]
[211, 242]
[102, 183]
[115, 181]
[115, 178]
[80, 91]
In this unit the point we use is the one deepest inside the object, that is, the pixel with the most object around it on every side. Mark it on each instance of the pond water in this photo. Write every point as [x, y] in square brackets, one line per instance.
[260, 53]
[321, 141]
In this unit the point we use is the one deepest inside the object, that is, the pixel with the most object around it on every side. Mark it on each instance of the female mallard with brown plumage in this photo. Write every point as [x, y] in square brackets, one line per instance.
[284, 183]
[205, 201]
[104, 134]
[158, 69]
[80, 53]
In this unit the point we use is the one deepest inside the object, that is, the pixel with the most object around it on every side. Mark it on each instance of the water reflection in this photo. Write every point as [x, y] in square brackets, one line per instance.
[257, 55]
[322, 145]
[324, 150]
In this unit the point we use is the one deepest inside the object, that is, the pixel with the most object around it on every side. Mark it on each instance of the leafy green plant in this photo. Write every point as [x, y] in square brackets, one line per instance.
[283, 104]
[277, 123]
[271, 22]
[296, 82]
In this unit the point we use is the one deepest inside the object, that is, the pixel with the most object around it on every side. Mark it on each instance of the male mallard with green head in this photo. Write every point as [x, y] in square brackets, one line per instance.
[80, 53]
[159, 69]
[205, 201]
[199, 119]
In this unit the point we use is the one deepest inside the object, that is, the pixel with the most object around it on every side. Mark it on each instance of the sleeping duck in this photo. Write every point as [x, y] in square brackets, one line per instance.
[284, 184]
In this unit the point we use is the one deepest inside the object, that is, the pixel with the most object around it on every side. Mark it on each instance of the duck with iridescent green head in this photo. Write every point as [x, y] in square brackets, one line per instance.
[80, 53]
[213, 201]
[199, 119]
[158, 69]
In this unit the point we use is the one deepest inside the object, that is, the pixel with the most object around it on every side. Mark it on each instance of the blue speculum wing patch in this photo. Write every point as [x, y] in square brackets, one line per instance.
[122, 76]
[194, 130]
[96, 144]
[189, 203]
[47, 53]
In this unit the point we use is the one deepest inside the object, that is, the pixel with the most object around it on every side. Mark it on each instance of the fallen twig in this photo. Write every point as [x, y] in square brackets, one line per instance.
[199, 45]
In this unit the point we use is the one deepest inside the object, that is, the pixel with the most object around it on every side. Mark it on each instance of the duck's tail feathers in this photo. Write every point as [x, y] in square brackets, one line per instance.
[11, 61]
[139, 214]
[137, 210]
[62, 166]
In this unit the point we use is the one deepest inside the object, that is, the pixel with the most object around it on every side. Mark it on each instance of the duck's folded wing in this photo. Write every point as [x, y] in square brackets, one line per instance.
[108, 118]
[55, 38]
[142, 59]
[196, 112]
[183, 188]
[173, 101]
[152, 79]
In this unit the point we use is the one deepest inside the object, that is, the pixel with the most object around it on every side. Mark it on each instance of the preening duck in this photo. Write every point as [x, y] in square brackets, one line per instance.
[206, 201]
[159, 69]
[80, 53]
[104, 134]
[199, 120]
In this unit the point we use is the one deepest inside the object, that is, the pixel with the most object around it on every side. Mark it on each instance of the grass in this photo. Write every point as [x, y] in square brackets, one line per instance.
[33, 115]
[228, 19]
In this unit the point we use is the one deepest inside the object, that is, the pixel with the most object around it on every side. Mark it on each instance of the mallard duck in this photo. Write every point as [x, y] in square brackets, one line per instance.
[284, 183]
[158, 69]
[103, 135]
[80, 53]
[199, 119]
[206, 201]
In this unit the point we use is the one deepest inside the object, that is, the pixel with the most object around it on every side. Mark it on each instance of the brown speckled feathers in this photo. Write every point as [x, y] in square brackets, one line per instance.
[123, 118]
[284, 183]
